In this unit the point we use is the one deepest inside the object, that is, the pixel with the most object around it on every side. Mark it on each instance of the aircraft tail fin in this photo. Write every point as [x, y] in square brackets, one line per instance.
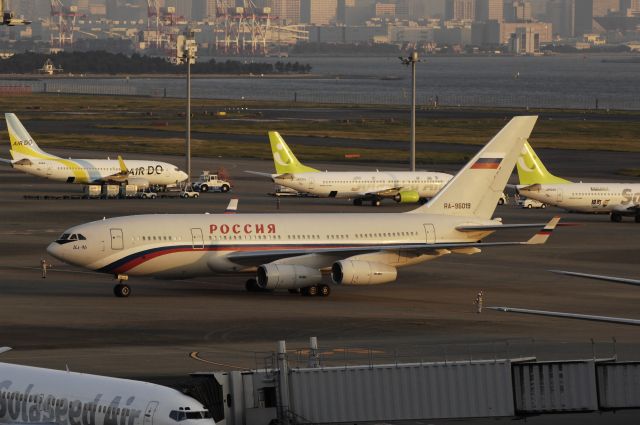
[475, 190]
[22, 144]
[283, 158]
[532, 171]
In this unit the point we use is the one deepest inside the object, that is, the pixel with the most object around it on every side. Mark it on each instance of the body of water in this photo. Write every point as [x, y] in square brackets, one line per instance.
[565, 81]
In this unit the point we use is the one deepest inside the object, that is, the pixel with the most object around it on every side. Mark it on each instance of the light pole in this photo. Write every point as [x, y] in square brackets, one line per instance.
[186, 53]
[412, 60]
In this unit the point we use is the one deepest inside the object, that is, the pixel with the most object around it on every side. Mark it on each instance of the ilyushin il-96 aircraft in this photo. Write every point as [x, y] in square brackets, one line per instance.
[32, 395]
[291, 251]
[28, 157]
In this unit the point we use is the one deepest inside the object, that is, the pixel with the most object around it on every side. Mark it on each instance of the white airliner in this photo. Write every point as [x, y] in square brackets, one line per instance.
[32, 395]
[616, 199]
[401, 186]
[28, 157]
[290, 251]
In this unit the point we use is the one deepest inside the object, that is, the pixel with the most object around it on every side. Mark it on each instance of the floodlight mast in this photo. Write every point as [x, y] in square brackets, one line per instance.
[412, 60]
[187, 50]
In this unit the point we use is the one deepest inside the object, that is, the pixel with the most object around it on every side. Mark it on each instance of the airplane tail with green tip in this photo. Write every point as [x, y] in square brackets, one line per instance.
[22, 144]
[284, 160]
[532, 171]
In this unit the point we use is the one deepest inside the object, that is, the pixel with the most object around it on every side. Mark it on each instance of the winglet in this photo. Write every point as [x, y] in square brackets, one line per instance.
[4, 349]
[232, 208]
[542, 236]
[123, 168]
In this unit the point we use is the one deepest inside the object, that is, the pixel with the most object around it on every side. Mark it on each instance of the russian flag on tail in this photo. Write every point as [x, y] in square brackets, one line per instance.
[487, 163]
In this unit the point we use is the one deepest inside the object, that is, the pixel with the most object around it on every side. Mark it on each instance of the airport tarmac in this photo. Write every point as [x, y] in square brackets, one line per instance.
[72, 319]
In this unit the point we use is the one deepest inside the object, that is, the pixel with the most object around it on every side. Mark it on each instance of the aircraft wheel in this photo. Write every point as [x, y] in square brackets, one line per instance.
[357, 202]
[500, 201]
[309, 291]
[121, 290]
[543, 206]
[376, 203]
[252, 285]
[529, 206]
[224, 188]
[324, 290]
[616, 218]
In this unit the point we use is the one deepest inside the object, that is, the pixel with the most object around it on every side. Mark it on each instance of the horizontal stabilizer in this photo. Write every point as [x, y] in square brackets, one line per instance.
[599, 277]
[480, 227]
[258, 173]
[543, 235]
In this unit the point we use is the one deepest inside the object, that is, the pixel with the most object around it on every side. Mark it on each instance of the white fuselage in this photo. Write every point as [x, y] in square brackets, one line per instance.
[354, 184]
[30, 395]
[586, 197]
[180, 246]
[89, 171]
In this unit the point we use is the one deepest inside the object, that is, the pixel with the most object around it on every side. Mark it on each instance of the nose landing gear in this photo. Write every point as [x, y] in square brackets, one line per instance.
[122, 290]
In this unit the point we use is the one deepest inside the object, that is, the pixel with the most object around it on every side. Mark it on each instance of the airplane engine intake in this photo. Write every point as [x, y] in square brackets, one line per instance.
[287, 276]
[407, 197]
[353, 272]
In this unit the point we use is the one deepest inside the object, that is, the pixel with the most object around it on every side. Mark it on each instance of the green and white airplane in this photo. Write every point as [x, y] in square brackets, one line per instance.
[373, 186]
[536, 182]
[293, 251]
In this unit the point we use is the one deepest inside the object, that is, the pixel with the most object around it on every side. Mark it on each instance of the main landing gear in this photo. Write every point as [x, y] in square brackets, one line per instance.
[617, 218]
[374, 202]
[122, 290]
[316, 291]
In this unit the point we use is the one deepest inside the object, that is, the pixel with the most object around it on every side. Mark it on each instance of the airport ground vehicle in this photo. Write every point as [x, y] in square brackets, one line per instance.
[147, 194]
[530, 203]
[503, 199]
[208, 182]
[189, 193]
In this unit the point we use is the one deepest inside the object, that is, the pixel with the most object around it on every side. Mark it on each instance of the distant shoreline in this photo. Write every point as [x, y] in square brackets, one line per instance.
[64, 75]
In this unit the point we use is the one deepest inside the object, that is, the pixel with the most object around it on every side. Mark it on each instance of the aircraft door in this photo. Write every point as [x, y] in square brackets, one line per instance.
[559, 195]
[117, 241]
[197, 238]
[149, 412]
[430, 233]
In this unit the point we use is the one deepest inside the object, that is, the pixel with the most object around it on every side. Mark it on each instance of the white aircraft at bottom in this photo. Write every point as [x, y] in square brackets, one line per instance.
[290, 251]
[32, 395]
[29, 158]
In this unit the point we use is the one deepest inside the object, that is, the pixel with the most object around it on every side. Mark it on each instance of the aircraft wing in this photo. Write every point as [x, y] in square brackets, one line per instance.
[232, 207]
[599, 277]
[331, 254]
[6, 161]
[4, 349]
[619, 320]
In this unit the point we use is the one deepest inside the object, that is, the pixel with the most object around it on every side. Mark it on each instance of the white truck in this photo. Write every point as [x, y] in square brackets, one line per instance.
[208, 182]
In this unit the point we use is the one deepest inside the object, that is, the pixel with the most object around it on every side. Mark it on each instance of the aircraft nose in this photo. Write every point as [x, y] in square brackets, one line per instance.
[182, 176]
[56, 251]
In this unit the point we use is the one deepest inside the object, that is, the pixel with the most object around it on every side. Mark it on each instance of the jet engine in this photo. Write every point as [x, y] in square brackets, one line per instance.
[138, 181]
[407, 197]
[287, 276]
[354, 272]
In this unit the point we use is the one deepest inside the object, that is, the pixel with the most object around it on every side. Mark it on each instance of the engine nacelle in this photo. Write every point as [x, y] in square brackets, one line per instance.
[354, 272]
[138, 181]
[287, 276]
[407, 197]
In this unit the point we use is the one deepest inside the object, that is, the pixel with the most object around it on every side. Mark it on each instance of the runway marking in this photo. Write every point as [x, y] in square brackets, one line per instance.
[195, 355]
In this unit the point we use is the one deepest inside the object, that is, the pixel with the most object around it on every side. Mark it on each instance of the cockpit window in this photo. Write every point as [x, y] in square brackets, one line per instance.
[64, 237]
[73, 237]
[182, 415]
[81, 237]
